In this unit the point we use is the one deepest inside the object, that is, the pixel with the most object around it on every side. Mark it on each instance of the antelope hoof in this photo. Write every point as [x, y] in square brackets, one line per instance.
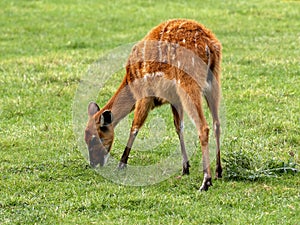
[185, 168]
[219, 173]
[206, 184]
[122, 166]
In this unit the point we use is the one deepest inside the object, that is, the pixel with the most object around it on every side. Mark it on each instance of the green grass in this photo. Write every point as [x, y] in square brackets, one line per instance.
[47, 46]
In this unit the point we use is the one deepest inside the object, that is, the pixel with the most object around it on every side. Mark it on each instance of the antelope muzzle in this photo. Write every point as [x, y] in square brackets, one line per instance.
[97, 152]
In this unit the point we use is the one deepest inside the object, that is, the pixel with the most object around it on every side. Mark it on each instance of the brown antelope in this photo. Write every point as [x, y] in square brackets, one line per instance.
[177, 62]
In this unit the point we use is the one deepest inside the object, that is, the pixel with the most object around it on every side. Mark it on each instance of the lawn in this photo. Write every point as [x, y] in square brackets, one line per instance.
[47, 48]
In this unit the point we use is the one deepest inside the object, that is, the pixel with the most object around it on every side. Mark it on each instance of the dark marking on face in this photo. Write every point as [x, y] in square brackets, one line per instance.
[104, 129]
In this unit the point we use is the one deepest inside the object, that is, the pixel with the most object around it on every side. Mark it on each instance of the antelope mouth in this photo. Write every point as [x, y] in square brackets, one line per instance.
[98, 161]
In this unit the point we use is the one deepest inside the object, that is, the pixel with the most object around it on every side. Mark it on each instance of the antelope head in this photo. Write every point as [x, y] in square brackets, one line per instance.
[99, 134]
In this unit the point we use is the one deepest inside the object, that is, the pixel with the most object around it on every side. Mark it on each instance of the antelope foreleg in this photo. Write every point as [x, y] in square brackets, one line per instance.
[127, 149]
[143, 106]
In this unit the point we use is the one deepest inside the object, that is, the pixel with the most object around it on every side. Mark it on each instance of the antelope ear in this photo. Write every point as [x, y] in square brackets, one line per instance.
[93, 108]
[106, 118]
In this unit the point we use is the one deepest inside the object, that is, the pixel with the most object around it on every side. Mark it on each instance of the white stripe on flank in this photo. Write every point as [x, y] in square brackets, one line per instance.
[178, 64]
[181, 24]
[163, 30]
[143, 55]
[195, 39]
[159, 51]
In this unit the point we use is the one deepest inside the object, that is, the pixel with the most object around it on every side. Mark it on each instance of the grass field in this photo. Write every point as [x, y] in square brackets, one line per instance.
[46, 48]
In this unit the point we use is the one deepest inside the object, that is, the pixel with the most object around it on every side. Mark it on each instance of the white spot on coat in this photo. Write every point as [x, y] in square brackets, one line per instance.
[154, 74]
